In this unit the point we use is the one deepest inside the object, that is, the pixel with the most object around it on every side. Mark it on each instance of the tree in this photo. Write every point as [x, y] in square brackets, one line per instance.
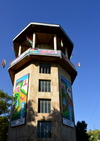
[4, 114]
[81, 129]
[94, 135]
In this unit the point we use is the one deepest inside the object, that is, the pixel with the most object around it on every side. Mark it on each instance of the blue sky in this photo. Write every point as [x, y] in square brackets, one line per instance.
[81, 21]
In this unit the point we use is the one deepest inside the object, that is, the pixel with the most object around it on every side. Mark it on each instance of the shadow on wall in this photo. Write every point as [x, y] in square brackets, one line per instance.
[28, 131]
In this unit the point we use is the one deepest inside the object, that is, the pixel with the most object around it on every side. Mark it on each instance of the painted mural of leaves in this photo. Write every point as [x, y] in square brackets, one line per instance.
[23, 91]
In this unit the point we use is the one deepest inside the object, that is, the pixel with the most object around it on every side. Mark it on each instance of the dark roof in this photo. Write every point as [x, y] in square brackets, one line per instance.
[44, 28]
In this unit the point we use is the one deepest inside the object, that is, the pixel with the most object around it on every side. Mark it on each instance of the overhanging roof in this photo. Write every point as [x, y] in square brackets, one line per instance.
[52, 28]
[44, 28]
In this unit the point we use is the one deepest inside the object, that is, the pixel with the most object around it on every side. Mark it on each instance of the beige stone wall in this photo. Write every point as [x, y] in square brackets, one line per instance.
[20, 133]
[28, 132]
[67, 133]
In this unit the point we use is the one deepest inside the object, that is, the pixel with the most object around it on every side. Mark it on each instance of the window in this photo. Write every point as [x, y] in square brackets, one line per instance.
[45, 68]
[44, 129]
[44, 105]
[44, 85]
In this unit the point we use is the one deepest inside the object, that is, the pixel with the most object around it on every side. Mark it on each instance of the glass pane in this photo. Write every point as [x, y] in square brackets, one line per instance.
[45, 86]
[40, 106]
[48, 86]
[45, 106]
[42, 86]
[44, 70]
[44, 129]
[38, 134]
[49, 106]
[47, 70]
[39, 130]
[41, 69]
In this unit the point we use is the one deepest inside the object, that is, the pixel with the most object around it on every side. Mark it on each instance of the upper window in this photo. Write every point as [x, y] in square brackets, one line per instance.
[44, 105]
[44, 85]
[44, 129]
[45, 68]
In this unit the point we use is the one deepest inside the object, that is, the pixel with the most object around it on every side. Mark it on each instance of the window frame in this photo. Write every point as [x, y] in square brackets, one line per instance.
[44, 130]
[45, 68]
[44, 85]
[44, 105]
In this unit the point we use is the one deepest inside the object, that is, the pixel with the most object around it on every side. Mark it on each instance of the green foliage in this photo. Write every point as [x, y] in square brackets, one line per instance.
[3, 128]
[81, 129]
[4, 102]
[4, 112]
[99, 136]
[94, 135]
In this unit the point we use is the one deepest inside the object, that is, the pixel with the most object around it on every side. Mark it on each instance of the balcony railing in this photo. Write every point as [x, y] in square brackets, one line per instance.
[43, 52]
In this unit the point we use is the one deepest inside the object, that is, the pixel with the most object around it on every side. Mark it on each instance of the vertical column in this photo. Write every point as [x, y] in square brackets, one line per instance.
[19, 51]
[66, 52]
[55, 42]
[34, 40]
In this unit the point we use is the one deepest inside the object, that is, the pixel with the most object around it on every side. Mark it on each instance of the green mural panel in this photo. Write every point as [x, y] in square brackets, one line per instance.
[19, 101]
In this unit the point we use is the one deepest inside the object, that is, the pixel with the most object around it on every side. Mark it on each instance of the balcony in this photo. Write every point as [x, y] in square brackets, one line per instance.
[43, 55]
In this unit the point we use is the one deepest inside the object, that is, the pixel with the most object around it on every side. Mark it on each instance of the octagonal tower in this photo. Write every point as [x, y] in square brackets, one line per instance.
[42, 76]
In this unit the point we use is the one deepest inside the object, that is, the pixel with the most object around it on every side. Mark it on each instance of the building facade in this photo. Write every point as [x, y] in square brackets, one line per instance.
[42, 76]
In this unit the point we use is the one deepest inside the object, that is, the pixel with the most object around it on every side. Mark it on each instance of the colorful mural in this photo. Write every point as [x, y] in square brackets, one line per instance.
[19, 101]
[67, 103]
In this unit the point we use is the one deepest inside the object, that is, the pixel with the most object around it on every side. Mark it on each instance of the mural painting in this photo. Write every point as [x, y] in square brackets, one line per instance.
[67, 103]
[19, 101]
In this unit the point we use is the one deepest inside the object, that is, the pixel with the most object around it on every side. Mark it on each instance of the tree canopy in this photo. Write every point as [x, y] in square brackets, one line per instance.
[81, 131]
[94, 135]
[5, 103]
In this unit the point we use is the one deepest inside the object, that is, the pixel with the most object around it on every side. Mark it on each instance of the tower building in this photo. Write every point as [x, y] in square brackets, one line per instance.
[42, 76]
